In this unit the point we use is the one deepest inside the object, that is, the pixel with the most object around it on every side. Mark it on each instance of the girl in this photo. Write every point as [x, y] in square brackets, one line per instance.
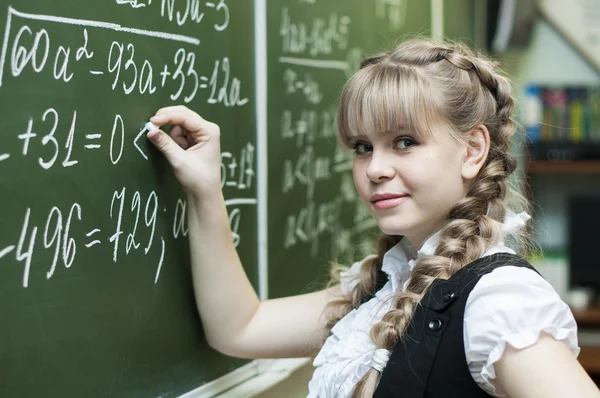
[444, 309]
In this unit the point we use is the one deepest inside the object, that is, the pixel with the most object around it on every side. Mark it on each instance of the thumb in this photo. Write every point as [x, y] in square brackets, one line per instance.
[166, 145]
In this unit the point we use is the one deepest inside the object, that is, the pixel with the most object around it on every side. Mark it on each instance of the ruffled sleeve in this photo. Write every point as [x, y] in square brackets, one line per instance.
[512, 305]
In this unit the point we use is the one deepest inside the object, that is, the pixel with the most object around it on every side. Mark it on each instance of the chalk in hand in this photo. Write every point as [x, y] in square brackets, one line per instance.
[150, 127]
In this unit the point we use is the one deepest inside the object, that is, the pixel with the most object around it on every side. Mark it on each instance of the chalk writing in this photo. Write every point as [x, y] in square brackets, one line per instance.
[326, 216]
[394, 11]
[128, 71]
[319, 36]
[57, 138]
[133, 3]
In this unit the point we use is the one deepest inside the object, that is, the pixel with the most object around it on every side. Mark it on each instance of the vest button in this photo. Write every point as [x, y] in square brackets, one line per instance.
[449, 296]
[435, 325]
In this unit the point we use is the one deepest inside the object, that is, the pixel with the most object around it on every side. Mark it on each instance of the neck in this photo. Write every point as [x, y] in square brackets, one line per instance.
[416, 241]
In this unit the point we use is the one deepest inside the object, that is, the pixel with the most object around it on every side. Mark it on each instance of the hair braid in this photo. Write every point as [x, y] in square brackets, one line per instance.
[467, 91]
[369, 278]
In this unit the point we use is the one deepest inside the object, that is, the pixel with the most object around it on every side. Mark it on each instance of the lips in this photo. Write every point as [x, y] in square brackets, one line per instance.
[387, 200]
[384, 196]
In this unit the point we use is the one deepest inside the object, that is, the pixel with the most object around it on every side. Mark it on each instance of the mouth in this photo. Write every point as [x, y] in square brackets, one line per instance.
[387, 201]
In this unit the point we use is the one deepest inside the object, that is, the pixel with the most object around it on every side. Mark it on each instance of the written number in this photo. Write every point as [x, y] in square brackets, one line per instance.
[60, 238]
[139, 79]
[192, 11]
[50, 139]
[150, 214]
[179, 60]
[36, 52]
[220, 95]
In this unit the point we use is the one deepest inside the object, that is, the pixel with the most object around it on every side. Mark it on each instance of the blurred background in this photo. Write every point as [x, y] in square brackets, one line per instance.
[552, 51]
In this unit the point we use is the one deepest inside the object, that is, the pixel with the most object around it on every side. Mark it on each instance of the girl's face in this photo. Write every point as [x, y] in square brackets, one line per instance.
[408, 183]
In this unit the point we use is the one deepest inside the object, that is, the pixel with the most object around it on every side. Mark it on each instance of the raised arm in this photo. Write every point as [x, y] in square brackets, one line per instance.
[235, 321]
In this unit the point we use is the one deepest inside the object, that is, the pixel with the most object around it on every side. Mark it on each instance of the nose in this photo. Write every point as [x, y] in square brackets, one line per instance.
[380, 167]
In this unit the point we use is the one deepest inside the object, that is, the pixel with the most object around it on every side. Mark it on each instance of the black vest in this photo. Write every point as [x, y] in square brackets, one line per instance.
[429, 361]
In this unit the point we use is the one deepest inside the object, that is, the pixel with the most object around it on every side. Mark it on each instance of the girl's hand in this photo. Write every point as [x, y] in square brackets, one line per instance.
[193, 148]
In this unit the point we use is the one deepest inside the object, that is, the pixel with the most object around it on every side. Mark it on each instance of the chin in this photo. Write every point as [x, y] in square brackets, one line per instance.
[394, 222]
[390, 229]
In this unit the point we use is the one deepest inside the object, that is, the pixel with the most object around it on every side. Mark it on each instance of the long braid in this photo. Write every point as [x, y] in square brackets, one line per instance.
[370, 277]
[472, 93]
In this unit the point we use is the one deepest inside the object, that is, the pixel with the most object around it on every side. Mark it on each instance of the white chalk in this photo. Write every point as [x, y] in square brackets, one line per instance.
[149, 127]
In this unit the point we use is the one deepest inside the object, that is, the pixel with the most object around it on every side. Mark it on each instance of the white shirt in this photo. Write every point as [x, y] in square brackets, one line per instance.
[510, 305]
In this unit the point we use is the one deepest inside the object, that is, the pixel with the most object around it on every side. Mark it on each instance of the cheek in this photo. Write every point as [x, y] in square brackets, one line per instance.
[442, 184]
[433, 177]
[417, 177]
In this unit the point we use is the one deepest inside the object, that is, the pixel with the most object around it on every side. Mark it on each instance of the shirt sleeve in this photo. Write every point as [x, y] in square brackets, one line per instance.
[512, 305]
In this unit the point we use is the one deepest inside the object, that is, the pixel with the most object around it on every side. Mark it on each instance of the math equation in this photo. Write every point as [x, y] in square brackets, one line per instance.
[55, 138]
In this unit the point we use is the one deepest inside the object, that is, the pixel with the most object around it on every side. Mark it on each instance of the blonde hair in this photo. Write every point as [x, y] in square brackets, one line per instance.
[416, 85]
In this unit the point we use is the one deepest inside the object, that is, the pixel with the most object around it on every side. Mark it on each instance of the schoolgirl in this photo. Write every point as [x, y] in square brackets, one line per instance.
[445, 308]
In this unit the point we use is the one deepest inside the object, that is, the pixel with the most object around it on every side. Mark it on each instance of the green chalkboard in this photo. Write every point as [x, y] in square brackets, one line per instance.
[313, 48]
[96, 298]
[95, 290]
[459, 21]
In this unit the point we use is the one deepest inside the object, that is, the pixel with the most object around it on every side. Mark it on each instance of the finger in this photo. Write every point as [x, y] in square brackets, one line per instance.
[166, 145]
[170, 108]
[179, 136]
[188, 119]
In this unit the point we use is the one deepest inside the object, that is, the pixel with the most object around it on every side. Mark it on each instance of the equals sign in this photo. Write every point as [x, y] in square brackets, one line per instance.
[92, 137]
[89, 235]
[204, 79]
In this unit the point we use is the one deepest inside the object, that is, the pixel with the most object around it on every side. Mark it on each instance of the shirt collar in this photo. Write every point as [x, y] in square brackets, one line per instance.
[400, 259]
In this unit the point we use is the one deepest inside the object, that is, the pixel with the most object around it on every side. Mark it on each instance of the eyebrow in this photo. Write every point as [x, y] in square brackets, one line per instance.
[415, 134]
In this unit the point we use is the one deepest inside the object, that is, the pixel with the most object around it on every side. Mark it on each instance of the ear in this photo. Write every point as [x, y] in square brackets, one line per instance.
[477, 148]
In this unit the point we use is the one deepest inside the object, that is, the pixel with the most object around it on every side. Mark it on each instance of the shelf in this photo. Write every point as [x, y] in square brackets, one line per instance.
[589, 358]
[587, 316]
[590, 167]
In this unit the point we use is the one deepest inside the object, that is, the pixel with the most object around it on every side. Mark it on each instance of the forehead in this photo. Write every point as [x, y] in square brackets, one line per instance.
[388, 99]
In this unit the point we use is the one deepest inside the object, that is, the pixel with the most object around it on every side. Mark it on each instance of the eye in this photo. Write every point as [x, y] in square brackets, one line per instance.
[360, 148]
[405, 143]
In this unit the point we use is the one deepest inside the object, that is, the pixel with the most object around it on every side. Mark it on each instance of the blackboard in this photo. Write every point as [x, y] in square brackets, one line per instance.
[459, 20]
[95, 290]
[313, 47]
